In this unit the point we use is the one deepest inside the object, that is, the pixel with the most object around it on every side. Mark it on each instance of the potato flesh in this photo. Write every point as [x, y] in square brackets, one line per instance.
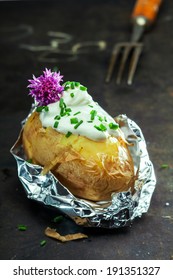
[89, 169]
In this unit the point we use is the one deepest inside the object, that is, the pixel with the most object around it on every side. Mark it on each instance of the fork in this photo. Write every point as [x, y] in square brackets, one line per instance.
[144, 13]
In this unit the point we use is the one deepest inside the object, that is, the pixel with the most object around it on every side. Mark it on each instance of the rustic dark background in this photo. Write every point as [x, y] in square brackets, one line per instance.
[149, 102]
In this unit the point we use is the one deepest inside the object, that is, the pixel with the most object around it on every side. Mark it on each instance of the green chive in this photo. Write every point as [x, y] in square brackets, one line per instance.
[56, 124]
[101, 127]
[164, 166]
[76, 113]
[58, 219]
[74, 120]
[41, 108]
[42, 243]
[61, 103]
[57, 117]
[100, 118]
[68, 134]
[93, 113]
[22, 227]
[78, 124]
[72, 94]
[91, 106]
[90, 121]
[113, 126]
[77, 84]
[29, 160]
[83, 88]
[72, 85]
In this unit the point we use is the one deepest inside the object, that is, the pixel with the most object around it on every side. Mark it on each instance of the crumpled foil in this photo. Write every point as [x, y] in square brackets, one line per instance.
[123, 208]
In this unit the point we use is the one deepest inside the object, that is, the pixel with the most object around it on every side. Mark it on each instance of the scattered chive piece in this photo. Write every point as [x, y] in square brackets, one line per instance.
[101, 127]
[29, 160]
[100, 118]
[22, 227]
[61, 103]
[113, 126]
[41, 108]
[72, 94]
[89, 121]
[105, 119]
[164, 165]
[93, 113]
[56, 124]
[42, 243]
[58, 219]
[68, 134]
[83, 88]
[77, 84]
[76, 113]
[74, 120]
[72, 85]
[57, 117]
[91, 106]
[78, 124]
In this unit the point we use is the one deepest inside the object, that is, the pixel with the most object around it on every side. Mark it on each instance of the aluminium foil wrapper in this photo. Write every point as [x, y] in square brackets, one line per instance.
[123, 208]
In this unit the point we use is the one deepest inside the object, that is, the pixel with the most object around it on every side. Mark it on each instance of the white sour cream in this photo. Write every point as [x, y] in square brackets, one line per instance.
[77, 113]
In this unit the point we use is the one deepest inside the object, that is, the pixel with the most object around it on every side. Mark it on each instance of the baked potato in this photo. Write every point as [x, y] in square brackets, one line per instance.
[92, 170]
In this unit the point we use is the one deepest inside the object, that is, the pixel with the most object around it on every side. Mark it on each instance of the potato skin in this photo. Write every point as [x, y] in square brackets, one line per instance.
[89, 169]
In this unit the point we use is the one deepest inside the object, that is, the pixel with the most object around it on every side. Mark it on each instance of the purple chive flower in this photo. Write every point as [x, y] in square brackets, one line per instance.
[46, 89]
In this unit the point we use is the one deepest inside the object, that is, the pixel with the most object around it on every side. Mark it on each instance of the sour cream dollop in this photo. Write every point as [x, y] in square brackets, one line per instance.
[77, 113]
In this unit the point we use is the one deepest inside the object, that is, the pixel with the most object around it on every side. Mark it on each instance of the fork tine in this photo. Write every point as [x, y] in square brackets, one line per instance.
[112, 62]
[134, 61]
[126, 51]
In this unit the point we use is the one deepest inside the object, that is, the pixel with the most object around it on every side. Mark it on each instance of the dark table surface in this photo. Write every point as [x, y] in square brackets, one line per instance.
[148, 101]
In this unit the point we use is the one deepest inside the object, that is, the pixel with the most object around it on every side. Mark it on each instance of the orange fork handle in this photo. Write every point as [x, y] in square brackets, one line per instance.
[147, 9]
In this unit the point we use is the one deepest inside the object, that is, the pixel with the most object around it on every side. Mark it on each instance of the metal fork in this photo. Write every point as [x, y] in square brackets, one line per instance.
[144, 14]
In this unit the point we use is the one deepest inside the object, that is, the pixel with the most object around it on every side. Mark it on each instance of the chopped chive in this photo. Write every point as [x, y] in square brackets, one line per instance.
[29, 160]
[78, 124]
[105, 119]
[22, 227]
[76, 113]
[72, 94]
[68, 134]
[101, 127]
[58, 219]
[61, 103]
[83, 88]
[72, 85]
[42, 243]
[41, 108]
[113, 126]
[164, 166]
[77, 84]
[91, 106]
[56, 124]
[46, 108]
[93, 113]
[100, 118]
[89, 121]
[57, 117]
[74, 120]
